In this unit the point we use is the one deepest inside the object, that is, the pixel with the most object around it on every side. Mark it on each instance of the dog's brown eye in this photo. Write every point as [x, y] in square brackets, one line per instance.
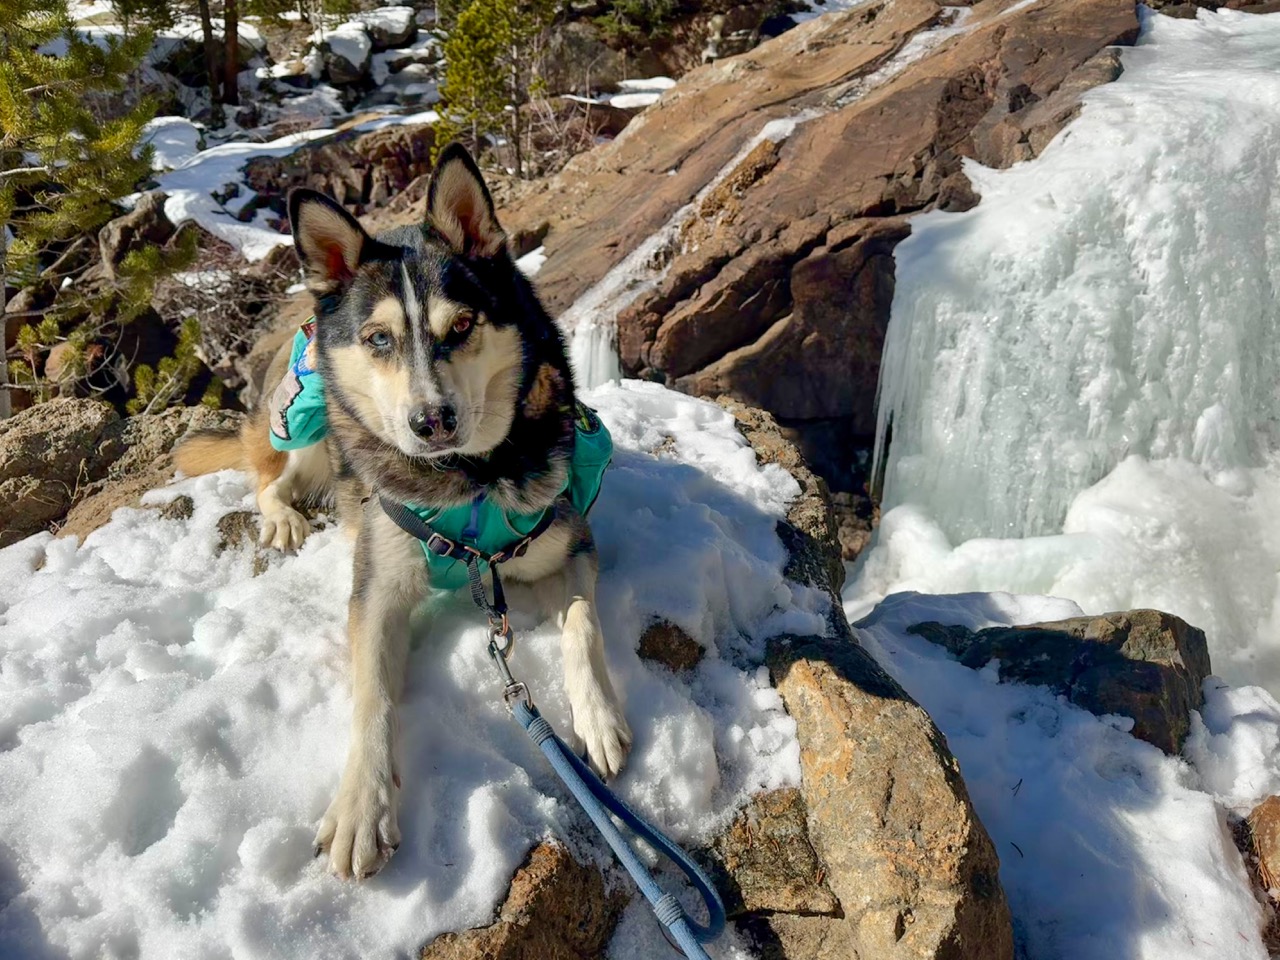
[462, 324]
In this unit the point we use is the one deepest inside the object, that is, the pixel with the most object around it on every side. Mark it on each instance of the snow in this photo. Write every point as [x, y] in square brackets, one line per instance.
[638, 94]
[1108, 847]
[397, 120]
[646, 85]
[822, 9]
[172, 726]
[634, 101]
[394, 20]
[190, 185]
[175, 139]
[1080, 372]
[532, 262]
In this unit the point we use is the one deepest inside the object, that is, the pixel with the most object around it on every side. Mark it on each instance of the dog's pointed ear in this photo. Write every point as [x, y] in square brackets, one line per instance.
[459, 206]
[329, 241]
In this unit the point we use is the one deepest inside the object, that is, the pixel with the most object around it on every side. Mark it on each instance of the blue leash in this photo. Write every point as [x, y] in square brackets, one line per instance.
[598, 801]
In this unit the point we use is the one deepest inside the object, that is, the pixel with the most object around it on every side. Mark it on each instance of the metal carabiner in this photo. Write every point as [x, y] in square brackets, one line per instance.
[511, 687]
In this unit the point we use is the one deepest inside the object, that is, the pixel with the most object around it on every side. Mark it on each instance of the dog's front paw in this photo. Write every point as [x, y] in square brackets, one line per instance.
[601, 728]
[284, 529]
[359, 830]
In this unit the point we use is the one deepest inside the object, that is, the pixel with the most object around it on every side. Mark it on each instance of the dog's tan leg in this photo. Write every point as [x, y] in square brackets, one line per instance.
[359, 830]
[597, 716]
[280, 485]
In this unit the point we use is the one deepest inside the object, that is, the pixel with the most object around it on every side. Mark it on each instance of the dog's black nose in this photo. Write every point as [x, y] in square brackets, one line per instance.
[433, 422]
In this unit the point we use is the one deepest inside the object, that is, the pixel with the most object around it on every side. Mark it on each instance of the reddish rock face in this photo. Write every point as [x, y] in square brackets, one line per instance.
[777, 285]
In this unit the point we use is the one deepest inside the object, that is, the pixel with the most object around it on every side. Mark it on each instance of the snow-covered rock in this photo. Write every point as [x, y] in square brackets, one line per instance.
[389, 26]
[346, 50]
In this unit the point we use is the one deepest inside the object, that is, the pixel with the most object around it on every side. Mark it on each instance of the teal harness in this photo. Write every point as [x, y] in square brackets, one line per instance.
[479, 529]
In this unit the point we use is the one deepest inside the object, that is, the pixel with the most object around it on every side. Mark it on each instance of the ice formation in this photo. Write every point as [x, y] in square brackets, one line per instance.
[1080, 373]
[1117, 296]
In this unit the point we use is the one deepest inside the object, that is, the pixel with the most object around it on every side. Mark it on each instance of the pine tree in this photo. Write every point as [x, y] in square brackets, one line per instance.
[491, 57]
[60, 166]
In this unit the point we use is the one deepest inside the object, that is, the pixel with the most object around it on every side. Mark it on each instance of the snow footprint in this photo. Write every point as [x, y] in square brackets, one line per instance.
[144, 810]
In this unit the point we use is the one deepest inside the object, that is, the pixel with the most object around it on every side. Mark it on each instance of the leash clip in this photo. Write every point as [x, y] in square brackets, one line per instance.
[512, 689]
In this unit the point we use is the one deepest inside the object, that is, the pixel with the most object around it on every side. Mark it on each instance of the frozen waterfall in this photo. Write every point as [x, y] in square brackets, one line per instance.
[1115, 297]
[1081, 381]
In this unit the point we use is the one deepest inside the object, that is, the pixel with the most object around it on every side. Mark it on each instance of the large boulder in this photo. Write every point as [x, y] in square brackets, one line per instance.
[347, 52]
[389, 27]
[46, 454]
[784, 262]
[70, 462]
[134, 456]
[912, 866]
[879, 853]
[1142, 664]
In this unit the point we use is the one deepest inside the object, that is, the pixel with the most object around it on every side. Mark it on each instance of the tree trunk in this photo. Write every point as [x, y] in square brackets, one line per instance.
[231, 83]
[210, 51]
[515, 113]
[6, 406]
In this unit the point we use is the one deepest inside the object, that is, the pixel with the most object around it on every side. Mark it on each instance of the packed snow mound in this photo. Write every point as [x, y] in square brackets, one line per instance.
[1108, 847]
[1090, 355]
[1114, 297]
[175, 140]
[172, 727]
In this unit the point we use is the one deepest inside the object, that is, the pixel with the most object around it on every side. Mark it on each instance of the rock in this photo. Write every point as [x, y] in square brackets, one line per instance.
[792, 267]
[427, 55]
[856, 519]
[360, 170]
[1264, 834]
[765, 862]
[389, 26]
[179, 508]
[1258, 839]
[915, 872]
[237, 529]
[809, 532]
[556, 909]
[665, 643]
[1143, 664]
[47, 453]
[146, 224]
[347, 52]
[879, 853]
[132, 457]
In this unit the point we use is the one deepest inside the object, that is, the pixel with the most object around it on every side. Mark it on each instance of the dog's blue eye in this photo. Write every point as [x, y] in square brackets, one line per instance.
[379, 340]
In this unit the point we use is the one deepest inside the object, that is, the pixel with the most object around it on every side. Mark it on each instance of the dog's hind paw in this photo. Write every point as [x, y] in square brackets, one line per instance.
[284, 529]
[359, 831]
[600, 728]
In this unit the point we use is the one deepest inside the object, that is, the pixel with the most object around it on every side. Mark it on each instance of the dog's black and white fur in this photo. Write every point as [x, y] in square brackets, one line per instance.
[444, 377]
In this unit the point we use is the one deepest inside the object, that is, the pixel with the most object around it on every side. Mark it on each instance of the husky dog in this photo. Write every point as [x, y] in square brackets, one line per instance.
[445, 383]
